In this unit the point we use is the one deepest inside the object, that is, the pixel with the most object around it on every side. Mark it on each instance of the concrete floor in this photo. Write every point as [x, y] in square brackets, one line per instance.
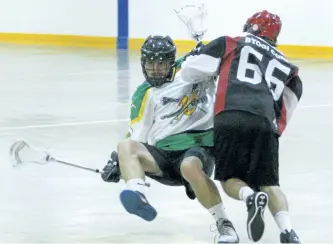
[74, 102]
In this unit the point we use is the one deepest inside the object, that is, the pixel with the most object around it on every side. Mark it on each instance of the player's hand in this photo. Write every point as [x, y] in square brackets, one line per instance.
[111, 172]
[195, 51]
[199, 45]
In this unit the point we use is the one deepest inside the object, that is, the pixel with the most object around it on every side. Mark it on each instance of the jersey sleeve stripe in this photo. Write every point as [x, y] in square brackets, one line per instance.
[142, 108]
[227, 59]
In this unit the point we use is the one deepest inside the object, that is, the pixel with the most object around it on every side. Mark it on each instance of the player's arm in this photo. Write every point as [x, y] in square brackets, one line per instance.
[142, 114]
[295, 86]
[194, 51]
[206, 63]
[292, 94]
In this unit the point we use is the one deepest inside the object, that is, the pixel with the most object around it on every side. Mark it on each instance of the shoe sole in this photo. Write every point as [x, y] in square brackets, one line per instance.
[222, 242]
[256, 225]
[230, 241]
[133, 204]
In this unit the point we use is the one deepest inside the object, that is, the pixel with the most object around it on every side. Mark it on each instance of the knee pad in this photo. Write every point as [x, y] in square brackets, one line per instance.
[198, 152]
[205, 156]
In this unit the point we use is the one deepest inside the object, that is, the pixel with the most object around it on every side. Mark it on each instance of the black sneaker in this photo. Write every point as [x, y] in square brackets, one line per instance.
[289, 237]
[256, 204]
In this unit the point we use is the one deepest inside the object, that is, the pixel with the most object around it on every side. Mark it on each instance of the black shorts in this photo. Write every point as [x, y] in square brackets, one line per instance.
[246, 148]
[169, 162]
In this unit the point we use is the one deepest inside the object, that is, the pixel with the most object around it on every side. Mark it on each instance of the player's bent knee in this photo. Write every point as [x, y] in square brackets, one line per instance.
[224, 184]
[128, 146]
[227, 185]
[191, 169]
[271, 190]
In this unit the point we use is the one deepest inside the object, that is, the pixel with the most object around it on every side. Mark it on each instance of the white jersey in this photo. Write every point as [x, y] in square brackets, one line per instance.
[175, 116]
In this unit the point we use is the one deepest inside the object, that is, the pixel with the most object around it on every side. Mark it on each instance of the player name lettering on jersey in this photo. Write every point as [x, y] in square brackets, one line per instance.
[278, 56]
[266, 47]
[257, 42]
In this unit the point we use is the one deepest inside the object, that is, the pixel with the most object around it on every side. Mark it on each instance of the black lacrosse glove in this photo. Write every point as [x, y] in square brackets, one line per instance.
[199, 45]
[111, 172]
[194, 51]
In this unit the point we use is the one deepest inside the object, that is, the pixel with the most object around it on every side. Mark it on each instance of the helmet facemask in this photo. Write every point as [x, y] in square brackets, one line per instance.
[158, 56]
[157, 71]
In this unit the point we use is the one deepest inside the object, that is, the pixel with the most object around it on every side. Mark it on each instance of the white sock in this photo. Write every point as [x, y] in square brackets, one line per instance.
[218, 211]
[283, 221]
[136, 185]
[245, 192]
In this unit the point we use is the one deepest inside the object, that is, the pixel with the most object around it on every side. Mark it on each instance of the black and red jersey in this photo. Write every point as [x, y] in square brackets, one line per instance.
[253, 76]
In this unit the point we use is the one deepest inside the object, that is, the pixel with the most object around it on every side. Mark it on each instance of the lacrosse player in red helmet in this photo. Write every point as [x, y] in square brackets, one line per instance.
[258, 90]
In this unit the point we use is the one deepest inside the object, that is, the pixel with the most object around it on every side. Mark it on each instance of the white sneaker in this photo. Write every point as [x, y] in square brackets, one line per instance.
[227, 232]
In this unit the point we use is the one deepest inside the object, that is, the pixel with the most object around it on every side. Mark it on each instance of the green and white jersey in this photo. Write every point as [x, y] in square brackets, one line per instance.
[175, 116]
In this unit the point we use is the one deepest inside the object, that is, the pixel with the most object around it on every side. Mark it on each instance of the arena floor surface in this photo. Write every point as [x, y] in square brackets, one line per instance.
[75, 103]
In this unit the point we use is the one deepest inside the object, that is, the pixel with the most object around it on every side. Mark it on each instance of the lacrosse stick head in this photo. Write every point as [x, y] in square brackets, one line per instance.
[21, 152]
[195, 18]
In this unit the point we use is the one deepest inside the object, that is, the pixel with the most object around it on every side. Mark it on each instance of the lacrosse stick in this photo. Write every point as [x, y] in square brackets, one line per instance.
[194, 17]
[21, 152]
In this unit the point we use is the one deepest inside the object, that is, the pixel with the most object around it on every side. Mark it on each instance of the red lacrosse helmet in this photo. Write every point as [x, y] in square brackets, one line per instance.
[264, 24]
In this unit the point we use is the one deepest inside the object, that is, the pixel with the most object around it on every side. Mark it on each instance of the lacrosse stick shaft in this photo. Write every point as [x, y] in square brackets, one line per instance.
[21, 152]
[81, 167]
[75, 165]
